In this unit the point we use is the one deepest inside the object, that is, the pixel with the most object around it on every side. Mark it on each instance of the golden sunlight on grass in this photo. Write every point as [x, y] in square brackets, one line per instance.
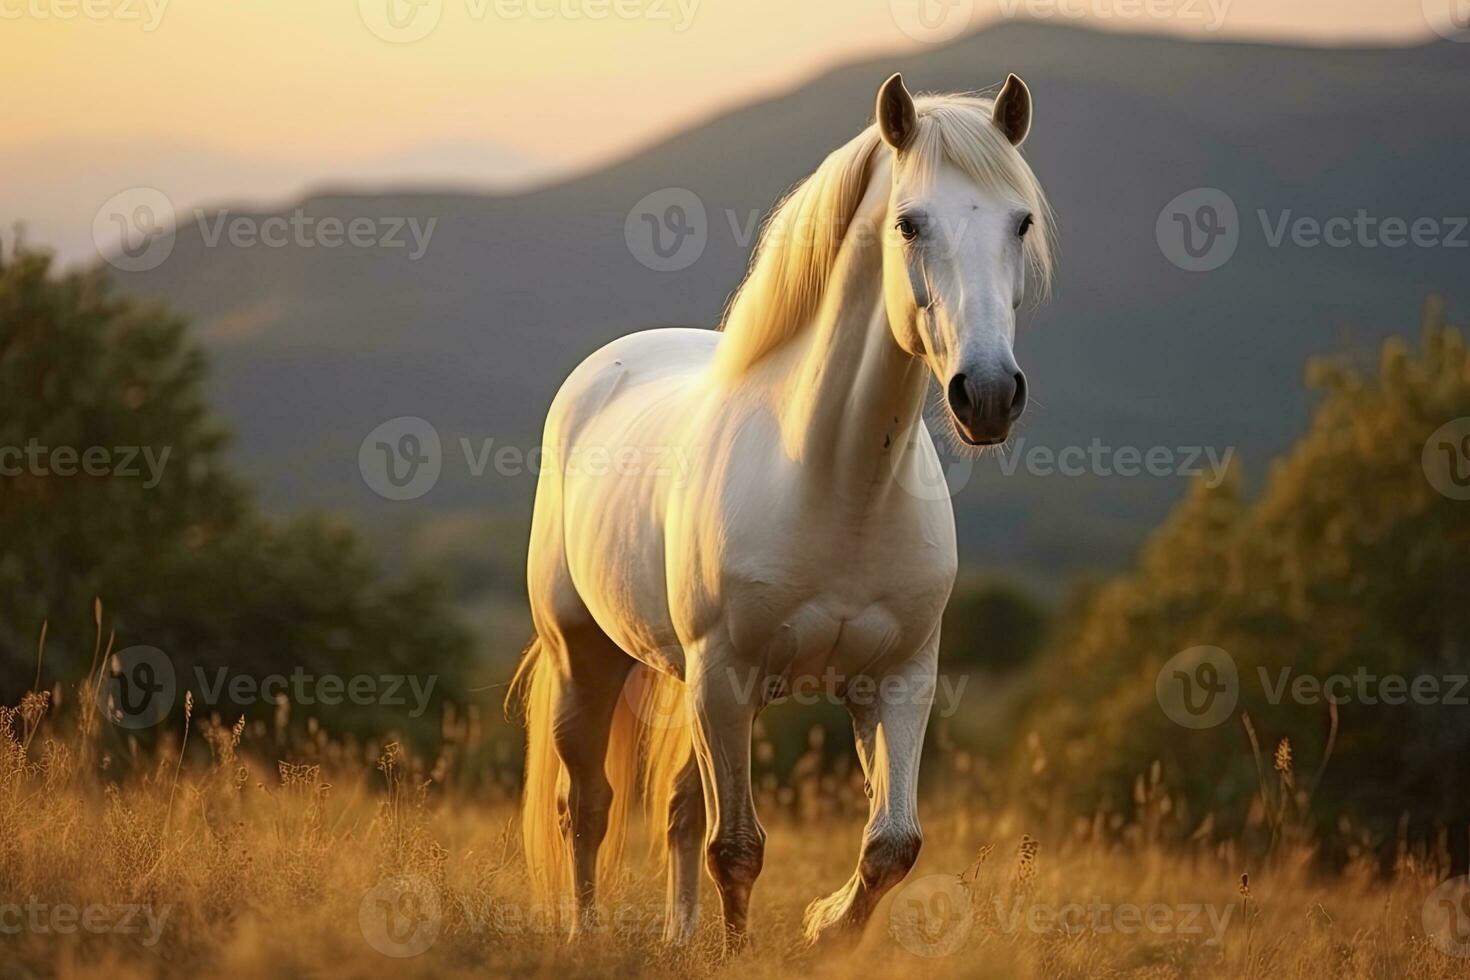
[274, 855]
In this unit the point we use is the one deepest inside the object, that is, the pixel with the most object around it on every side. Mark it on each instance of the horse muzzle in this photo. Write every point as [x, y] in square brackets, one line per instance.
[985, 404]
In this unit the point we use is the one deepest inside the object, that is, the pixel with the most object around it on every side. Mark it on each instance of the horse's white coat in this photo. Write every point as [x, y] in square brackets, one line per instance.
[747, 517]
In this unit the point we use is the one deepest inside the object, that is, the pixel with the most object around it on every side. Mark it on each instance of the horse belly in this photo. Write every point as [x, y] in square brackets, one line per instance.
[615, 485]
[614, 554]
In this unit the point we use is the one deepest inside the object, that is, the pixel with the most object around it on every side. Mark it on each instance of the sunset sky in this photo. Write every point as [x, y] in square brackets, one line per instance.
[262, 98]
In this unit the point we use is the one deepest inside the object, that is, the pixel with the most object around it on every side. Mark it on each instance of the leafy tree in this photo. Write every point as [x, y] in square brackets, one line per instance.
[113, 484]
[991, 625]
[1350, 564]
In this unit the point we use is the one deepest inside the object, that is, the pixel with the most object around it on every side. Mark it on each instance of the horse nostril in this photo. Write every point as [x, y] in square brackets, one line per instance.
[958, 395]
[1018, 401]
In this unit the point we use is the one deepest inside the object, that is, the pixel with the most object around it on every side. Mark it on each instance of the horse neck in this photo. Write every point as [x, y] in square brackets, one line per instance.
[850, 394]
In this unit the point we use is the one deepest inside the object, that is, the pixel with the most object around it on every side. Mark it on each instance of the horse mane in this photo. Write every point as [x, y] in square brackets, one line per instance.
[800, 241]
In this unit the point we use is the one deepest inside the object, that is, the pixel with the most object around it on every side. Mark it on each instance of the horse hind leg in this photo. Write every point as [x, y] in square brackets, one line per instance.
[685, 839]
[584, 701]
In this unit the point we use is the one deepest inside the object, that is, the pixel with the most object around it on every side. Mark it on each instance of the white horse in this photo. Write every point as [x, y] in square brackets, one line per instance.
[723, 514]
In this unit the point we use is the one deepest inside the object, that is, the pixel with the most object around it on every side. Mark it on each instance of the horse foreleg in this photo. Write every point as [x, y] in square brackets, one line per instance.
[735, 841]
[890, 738]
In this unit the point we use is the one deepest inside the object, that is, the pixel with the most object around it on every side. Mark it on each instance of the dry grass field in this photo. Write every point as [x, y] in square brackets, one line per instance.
[245, 852]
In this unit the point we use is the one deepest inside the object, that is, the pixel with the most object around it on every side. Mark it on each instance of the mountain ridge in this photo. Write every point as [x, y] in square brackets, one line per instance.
[1133, 350]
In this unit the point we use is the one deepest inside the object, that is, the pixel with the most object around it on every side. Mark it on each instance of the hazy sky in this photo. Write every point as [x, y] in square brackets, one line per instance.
[259, 98]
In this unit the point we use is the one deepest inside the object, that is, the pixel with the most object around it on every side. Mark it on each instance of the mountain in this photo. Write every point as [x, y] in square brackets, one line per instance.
[314, 346]
[59, 186]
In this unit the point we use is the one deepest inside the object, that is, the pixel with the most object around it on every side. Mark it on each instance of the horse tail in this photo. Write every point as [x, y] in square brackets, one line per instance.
[531, 691]
[648, 743]
[655, 702]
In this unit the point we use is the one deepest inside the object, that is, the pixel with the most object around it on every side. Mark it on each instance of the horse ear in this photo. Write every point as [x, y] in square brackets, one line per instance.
[1012, 112]
[897, 120]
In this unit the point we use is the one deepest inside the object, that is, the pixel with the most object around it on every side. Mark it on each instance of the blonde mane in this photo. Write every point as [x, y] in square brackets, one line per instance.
[799, 244]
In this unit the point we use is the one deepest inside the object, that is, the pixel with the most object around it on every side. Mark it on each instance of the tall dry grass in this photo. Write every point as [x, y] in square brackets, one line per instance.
[259, 849]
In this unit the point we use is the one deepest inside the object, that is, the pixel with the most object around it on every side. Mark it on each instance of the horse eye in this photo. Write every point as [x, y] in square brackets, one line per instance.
[1025, 227]
[908, 229]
